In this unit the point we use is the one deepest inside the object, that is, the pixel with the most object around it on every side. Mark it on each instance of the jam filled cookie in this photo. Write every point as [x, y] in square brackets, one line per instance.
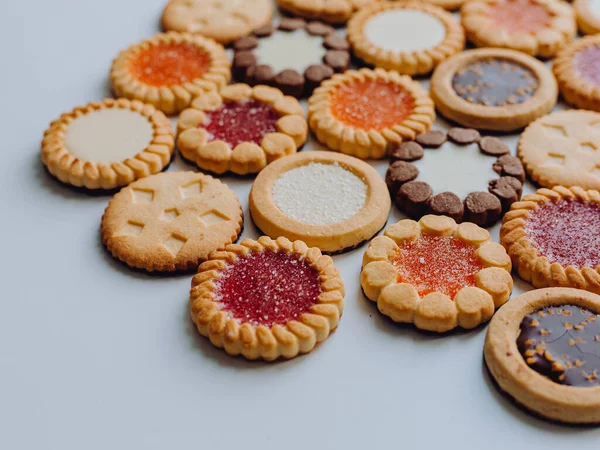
[436, 274]
[169, 70]
[267, 299]
[411, 38]
[493, 89]
[577, 70]
[365, 113]
[330, 11]
[413, 184]
[295, 56]
[171, 221]
[330, 201]
[543, 349]
[587, 13]
[241, 129]
[536, 27]
[553, 238]
[561, 149]
[106, 145]
[224, 21]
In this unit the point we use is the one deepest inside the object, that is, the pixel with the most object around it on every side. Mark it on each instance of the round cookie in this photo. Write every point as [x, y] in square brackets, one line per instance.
[335, 12]
[536, 27]
[436, 274]
[108, 144]
[267, 299]
[543, 349]
[171, 221]
[493, 89]
[446, 4]
[561, 149]
[411, 38]
[328, 200]
[367, 113]
[224, 21]
[241, 129]
[587, 13]
[295, 56]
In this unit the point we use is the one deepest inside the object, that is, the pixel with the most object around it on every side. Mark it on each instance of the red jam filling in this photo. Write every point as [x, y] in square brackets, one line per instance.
[566, 232]
[437, 264]
[520, 16]
[237, 122]
[586, 64]
[268, 288]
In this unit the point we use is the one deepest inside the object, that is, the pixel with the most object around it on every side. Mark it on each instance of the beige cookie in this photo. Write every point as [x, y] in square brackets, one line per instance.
[171, 221]
[267, 299]
[562, 149]
[108, 144]
[410, 37]
[587, 13]
[331, 11]
[436, 274]
[169, 70]
[446, 4]
[241, 129]
[543, 349]
[536, 27]
[328, 200]
[222, 20]
[367, 113]
[493, 89]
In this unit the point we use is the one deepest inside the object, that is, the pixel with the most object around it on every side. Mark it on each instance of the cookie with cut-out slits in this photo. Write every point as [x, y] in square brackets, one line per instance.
[171, 221]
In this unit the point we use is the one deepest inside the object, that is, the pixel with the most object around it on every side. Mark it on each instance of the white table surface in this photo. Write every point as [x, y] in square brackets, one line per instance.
[95, 356]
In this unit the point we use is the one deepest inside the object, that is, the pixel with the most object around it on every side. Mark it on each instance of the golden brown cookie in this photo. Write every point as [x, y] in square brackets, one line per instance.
[536, 27]
[562, 149]
[493, 89]
[328, 200]
[577, 70]
[366, 113]
[108, 144]
[436, 274]
[587, 13]
[171, 221]
[330, 11]
[543, 349]
[224, 21]
[446, 4]
[410, 37]
[241, 129]
[169, 70]
[267, 299]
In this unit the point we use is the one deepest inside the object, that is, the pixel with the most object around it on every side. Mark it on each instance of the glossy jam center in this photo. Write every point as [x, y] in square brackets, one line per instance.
[520, 16]
[237, 122]
[586, 64]
[169, 64]
[371, 104]
[566, 232]
[563, 344]
[437, 264]
[267, 288]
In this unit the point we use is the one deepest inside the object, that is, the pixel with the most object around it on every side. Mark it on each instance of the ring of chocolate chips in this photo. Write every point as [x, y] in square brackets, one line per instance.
[416, 198]
[247, 68]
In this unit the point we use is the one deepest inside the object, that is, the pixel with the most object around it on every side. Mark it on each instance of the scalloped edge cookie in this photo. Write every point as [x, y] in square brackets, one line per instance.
[336, 12]
[587, 20]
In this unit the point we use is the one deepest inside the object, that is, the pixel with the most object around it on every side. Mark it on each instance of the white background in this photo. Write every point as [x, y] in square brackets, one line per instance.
[95, 356]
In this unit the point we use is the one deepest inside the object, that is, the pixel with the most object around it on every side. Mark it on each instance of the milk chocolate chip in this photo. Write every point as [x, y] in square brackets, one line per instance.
[432, 139]
[316, 74]
[289, 82]
[261, 74]
[463, 136]
[511, 166]
[246, 43]
[507, 189]
[407, 151]
[319, 28]
[493, 146]
[291, 24]
[413, 198]
[447, 204]
[398, 173]
[338, 60]
[482, 208]
[264, 31]
[336, 42]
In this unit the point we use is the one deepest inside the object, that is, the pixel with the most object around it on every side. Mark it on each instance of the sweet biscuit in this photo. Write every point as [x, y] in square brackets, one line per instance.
[331, 11]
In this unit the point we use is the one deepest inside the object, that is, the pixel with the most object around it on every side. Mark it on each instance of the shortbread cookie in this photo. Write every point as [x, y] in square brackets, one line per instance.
[267, 299]
[442, 184]
[577, 70]
[543, 349]
[171, 221]
[536, 27]
[224, 21]
[553, 238]
[446, 4]
[587, 13]
[367, 113]
[330, 11]
[108, 144]
[331, 201]
[241, 129]
[493, 89]
[561, 149]
[169, 70]
[410, 37]
[436, 274]
[295, 56]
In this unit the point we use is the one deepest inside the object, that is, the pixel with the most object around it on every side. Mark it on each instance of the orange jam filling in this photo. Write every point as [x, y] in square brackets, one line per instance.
[442, 264]
[520, 16]
[166, 65]
[371, 104]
